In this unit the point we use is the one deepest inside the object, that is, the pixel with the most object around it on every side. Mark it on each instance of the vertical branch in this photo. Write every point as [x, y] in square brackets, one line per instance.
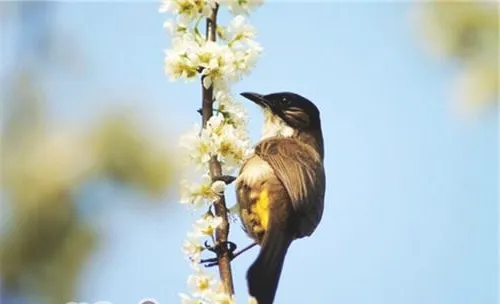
[222, 231]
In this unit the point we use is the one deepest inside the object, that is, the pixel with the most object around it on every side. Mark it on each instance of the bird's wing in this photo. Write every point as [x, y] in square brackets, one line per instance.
[300, 169]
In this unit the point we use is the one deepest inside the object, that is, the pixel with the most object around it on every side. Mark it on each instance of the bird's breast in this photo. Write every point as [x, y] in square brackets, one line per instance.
[254, 171]
[253, 192]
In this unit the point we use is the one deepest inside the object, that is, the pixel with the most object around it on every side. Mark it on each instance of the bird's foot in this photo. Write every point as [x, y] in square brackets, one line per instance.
[218, 250]
[227, 179]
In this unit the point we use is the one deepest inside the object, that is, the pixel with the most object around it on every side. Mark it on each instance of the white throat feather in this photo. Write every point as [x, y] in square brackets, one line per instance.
[275, 126]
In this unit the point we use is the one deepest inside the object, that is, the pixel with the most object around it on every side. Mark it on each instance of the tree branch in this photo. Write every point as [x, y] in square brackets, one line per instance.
[222, 232]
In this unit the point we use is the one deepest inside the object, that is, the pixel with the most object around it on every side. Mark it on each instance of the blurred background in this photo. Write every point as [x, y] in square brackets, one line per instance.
[89, 177]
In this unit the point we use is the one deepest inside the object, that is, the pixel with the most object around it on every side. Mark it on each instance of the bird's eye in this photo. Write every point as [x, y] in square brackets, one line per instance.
[285, 101]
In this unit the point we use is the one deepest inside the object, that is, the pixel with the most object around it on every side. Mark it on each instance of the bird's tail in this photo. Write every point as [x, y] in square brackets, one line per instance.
[264, 274]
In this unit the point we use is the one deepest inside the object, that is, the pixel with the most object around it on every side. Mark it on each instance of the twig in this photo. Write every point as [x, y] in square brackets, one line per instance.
[222, 232]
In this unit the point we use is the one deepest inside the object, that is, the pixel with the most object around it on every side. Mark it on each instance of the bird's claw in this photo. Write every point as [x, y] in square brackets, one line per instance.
[219, 251]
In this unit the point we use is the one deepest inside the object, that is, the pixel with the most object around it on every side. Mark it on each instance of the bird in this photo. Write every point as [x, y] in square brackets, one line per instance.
[280, 188]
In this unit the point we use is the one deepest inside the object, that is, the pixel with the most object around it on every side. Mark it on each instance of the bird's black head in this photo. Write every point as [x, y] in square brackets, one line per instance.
[295, 110]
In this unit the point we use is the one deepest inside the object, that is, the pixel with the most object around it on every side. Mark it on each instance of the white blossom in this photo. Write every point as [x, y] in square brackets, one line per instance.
[181, 60]
[224, 137]
[219, 296]
[192, 248]
[206, 225]
[197, 193]
[189, 8]
[178, 31]
[215, 124]
[201, 283]
[185, 299]
[198, 146]
[239, 30]
[235, 112]
[231, 149]
[213, 60]
[242, 6]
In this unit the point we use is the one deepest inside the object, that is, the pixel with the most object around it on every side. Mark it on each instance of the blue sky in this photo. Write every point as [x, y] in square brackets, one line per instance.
[411, 203]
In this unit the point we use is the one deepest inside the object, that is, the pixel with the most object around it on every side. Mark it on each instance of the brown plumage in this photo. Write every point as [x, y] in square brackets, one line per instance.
[281, 188]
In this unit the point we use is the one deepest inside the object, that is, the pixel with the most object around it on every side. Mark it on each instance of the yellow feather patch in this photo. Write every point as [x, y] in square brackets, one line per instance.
[261, 209]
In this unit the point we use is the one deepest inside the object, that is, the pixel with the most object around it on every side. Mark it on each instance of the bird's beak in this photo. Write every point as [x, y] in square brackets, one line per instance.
[257, 98]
